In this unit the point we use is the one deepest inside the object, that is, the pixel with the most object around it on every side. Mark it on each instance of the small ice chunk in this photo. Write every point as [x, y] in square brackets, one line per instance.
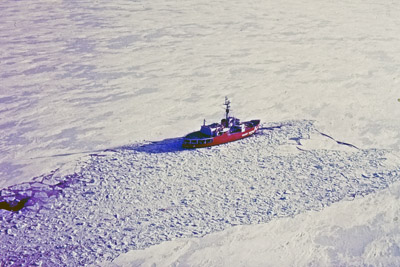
[41, 195]
[40, 186]
[23, 186]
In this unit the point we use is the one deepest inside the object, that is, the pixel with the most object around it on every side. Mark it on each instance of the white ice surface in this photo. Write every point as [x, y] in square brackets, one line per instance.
[363, 232]
[140, 195]
[77, 78]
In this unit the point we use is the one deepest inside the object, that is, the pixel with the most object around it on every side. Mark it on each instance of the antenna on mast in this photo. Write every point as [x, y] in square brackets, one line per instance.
[227, 104]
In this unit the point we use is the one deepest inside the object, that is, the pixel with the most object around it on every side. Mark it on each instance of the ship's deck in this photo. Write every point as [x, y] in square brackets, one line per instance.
[197, 135]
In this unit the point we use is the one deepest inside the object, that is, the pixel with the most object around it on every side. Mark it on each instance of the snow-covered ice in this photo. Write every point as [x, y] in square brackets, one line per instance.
[141, 195]
[363, 232]
[94, 98]
[78, 76]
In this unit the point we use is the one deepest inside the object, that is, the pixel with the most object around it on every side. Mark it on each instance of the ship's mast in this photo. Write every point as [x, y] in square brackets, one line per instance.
[227, 104]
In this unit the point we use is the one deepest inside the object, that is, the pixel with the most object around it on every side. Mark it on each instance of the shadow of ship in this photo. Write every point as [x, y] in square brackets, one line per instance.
[163, 146]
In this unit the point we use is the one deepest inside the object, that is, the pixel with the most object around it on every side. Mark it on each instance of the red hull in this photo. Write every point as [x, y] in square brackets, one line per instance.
[191, 142]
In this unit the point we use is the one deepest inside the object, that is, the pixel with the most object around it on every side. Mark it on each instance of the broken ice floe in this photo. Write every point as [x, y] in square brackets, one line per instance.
[140, 195]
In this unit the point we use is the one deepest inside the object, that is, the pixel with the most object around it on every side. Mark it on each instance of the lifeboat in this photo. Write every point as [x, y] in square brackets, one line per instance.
[228, 130]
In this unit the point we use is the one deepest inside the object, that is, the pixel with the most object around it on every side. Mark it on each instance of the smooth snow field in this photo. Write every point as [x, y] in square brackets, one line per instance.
[95, 97]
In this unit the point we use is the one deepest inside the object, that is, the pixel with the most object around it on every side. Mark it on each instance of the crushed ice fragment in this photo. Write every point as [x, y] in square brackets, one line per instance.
[39, 195]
